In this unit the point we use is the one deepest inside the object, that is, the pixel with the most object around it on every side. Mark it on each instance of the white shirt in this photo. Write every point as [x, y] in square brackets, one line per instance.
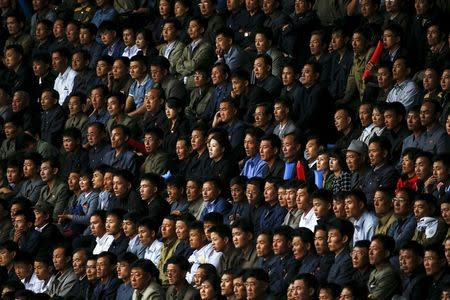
[64, 84]
[308, 220]
[204, 255]
[130, 51]
[102, 244]
[153, 252]
[34, 284]
[43, 288]
[133, 243]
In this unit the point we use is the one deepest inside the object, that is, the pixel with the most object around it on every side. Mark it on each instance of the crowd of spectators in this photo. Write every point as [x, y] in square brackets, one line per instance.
[212, 149]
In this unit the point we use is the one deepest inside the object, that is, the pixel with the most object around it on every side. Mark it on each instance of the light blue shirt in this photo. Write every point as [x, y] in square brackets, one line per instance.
[365, 227]
[138, 90]
[407, 93]
[255, 167]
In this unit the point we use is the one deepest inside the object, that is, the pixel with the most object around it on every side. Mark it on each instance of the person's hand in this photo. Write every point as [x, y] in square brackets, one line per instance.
[17, 235]
[219, 52]
[370, 66]
[430, 182]
[217, 119]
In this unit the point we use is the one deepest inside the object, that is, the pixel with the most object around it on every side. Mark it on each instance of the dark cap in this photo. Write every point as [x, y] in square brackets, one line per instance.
[44, 207]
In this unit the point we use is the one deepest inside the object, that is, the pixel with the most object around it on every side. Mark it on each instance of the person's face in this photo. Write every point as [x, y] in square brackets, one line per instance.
[226, 285]
[195, 31]
[320, 241]
[445, 80]
[251, 145]
[321, 208]
[137, 70]
[107, 37]
[152, 101]
[42, 271]
[433, 265]
[308, 76]
[353, 208]
[91, 270]
[182, 150]
[421, 6]
[270, 193]
[262, 44]
[59, 62]
[255, 288]
[382, 203]
[290, 148]
[445, 212]
[40, 218]
[440, 171]
[201, 79]
[269, 6]
[409, 262]
[118, 138]
[430, 80]
[267, 151]
[365, 114]
[147, 190]
[338, 41]
[413, 121]
[241, 239]
[97, 180]
[447, 251]
[433, 35]
[280, 112]
[253, 193]
[141, 43]
[93, 136]
[169, 32]
[102, 68]
[97, 98]
[114, 107]
[377, 118]
[377, 156]
[423, 168]
[262, 118]
[312, 149]
[263, 245]
[217, 76]
[238, 85]
[353, 160]
[299, 248]
[401, 204]
[29, 168]
[427, 114]
[60, 260]
[47, 172]
[79, 260]
[358, 43]
[47, 100]
[23, 270]
[10, 130]
[69, 143]
[139, 279]
[146, 236]
[239, 290]
[447, 125]
[209, 191]
[119, 70]
[104, 267]
[41, 32]
[129, 228]
[197, 140]
[14, 27]
[74, 105]
[151, 143]
[390, 40]
[280, 244]
[174, 274]
[164, 8]
[181, 230]
[193, 191]
[399, 70]
[303, 200]
[21, 223]
[113, 225]
[407, 165]
[315, 45]
[227, 112]
[215, 150]
[168, 229]
[196, 238]
[339, 209]
[223, 43]
[6, 257]
[384, 78]
[336, 241]
[288, 76]
[219, 243]
[157, 73]
[58, 29]
[301, 290]
[291, 198]
[260, 68]
[85, 36]
[207, 291]
[97, 226]
[72, 33]
[342, 120]
[121, 186]
[421, 209]
[377, 254]
[40, 68]
[360, 257]
[128, 37]
[282, 196]
[123, 270]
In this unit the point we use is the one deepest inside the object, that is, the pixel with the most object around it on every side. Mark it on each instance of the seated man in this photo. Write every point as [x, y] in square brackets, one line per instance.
[340, 232]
